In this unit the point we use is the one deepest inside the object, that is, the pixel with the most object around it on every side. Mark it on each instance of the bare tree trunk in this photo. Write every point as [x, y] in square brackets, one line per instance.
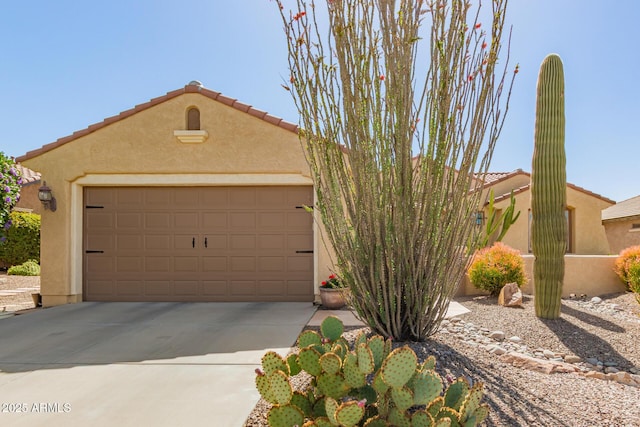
[395, 147]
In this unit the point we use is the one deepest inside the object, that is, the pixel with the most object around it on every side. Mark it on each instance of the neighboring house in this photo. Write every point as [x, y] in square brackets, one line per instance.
[622, 224]
[29, 191]
[586, 234]
[192, 196]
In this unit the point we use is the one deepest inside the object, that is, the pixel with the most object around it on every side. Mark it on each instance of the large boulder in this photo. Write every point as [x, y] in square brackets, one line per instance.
[510, 295]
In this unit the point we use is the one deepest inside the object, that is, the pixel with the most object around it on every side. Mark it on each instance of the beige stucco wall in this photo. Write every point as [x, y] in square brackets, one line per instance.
[142, 150]
[621, 235]
[584, 274]
[588, 234]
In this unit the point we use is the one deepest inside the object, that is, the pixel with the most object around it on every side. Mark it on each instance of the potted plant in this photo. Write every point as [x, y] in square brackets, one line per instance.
[332, 293]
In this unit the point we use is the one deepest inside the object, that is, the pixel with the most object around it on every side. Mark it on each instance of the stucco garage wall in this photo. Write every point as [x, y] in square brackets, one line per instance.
[621, 234]
[141, 149]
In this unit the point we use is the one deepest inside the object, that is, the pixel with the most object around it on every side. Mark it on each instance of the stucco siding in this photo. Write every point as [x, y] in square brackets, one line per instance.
[621, 234]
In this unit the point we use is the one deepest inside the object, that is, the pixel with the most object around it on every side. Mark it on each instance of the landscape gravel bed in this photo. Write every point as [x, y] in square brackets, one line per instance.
[607, 332]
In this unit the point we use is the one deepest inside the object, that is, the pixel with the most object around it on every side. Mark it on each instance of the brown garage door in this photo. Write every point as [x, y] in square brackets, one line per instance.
[197, 244]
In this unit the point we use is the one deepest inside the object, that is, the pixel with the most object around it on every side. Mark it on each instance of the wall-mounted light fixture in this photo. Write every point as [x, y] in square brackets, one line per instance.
[479, 218]
[46, 197]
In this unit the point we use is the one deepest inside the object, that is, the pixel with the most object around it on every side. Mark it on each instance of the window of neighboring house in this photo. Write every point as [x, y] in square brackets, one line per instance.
[635, 227]
[569, 216]
[193, 119]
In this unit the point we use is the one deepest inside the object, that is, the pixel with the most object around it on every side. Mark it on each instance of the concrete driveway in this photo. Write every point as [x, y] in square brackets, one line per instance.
[140, 364]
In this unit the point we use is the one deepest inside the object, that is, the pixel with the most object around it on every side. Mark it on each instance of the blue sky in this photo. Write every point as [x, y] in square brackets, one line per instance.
[68, 64]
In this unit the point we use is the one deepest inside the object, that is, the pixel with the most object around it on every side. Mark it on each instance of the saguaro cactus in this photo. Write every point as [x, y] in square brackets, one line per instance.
[549, 190]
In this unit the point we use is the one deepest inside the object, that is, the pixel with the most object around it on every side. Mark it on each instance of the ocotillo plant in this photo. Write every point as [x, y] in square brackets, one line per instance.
[549, 190]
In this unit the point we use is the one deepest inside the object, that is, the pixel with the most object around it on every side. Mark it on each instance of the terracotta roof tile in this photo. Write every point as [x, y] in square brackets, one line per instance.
[28, 176]
[155, 101]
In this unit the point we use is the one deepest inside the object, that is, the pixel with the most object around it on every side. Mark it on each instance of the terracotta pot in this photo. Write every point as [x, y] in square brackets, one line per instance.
[332, 298]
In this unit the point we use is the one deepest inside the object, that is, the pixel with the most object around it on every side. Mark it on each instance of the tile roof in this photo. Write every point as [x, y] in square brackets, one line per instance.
[190, 88]
[624, 209]
[28, 176]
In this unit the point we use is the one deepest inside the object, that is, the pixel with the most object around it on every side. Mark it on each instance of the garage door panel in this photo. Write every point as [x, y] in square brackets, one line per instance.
[128, 242]
[271, 287]
[157, 220]
[154, 264]
[198, 244]
[129, 264]
[187, 288]
[243, 264]
[245, 288]
[186, 264]
[186, 220]
[214, 220]
[243, 220]
[129, 287]
[157, 242]
[214, 287]
[99, 220]
[131, 220]
[158, 288]
[242, 241]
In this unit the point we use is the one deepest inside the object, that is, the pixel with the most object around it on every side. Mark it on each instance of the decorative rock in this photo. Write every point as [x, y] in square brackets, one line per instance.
[594, 374]
[510, 295]
[610, 370]
[496, 349]
[548, 354]
[515, 339]
[572, 359]
[596, 300]
[610, 364]
[545, 366]
[592, 360]
[497, 335]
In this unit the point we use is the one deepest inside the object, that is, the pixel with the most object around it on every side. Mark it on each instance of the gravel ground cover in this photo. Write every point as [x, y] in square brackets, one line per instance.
[606, 333]
[21, 300]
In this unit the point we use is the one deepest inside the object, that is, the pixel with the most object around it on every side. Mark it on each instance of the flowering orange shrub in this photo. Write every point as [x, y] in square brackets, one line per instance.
[494, 267]
[626, 259]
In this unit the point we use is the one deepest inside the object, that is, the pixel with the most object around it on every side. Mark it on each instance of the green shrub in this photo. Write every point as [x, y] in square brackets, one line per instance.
[29, 268]
[367, 384]
[633, 273]
[626, 259]
[23, 239]
[494, 267]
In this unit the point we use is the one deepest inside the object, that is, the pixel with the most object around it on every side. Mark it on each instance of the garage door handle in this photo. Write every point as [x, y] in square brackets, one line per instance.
[304, 252]
[193, 242]
[205, 243]
[93, 252]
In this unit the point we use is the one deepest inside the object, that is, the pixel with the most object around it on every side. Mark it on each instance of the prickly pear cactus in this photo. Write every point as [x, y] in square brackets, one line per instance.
[369, 385]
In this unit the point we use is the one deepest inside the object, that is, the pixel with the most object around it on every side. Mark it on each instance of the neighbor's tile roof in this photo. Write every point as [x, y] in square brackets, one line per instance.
[28, 176]
[155, 101]
[624, 209]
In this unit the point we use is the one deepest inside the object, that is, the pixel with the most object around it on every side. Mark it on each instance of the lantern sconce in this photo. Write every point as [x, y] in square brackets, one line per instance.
[479, 218]
[46, 197]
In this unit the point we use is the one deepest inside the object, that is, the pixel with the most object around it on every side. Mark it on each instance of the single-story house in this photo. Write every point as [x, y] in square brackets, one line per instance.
[192, 196]
[622, 224]
[586, 234]
[31, 182]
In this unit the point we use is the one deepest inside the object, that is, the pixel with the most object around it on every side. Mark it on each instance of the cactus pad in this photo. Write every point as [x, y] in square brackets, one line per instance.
[376, 345]
[456, 393]
[280, 388]
[378, 384]
[435, 405]
[293, 364]
[361, 338]
[302, 402]
[285, 416]
[421, 418]
[349, 414]
[426, 386]
[331, 406]
[330, 363]
[308, 338]
[332, 328]
[429, 364]
[352, 375]
[402, 398]
[479, 415]
[399, 367]
[398, 418]
[447, 413]
[309, 359]
[376, 422]
[262, 384]
[272, 362]
[322, 422]
[471, 404]
[332, 385]
[365, 359]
